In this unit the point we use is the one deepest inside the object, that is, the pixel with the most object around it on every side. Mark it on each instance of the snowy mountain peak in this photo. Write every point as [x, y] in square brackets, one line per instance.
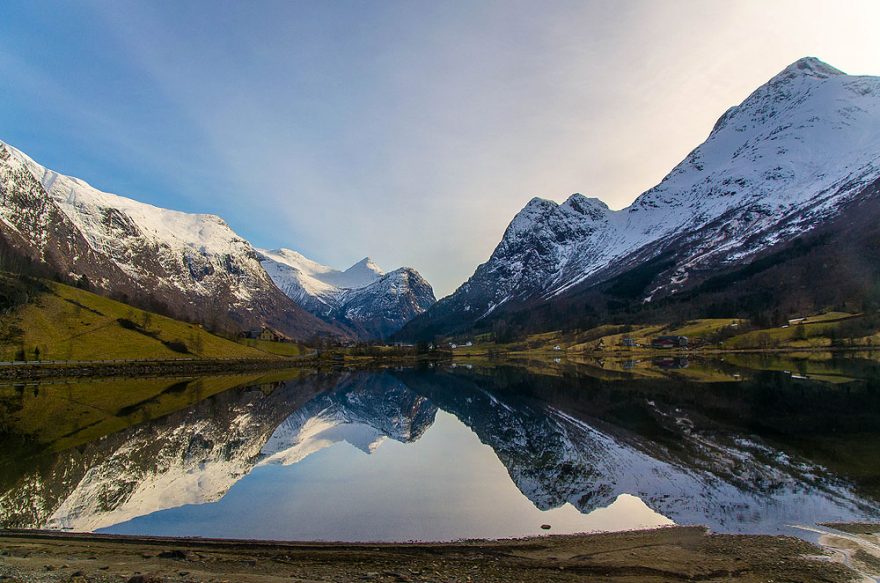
[93, 210]
[589, 207]
[366, 263]
[540, 203]
[535, 212]
[362, 273]
[810, 67]
[540, 210]
[372, 302]
[298, 261]
[404, 279]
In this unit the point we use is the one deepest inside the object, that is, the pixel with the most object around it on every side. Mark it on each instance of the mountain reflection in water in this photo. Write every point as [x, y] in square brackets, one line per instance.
[439, 454]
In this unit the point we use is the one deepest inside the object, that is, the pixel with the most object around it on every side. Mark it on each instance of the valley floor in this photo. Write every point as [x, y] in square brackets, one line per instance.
[667, 554]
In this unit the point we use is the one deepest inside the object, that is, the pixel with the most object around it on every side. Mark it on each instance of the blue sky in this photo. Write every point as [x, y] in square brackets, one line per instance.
[411, 132]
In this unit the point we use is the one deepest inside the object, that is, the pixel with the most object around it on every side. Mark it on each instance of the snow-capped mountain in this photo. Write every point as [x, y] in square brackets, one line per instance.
[797, 153]
[192, 266]
[362, 297]
[312, 285]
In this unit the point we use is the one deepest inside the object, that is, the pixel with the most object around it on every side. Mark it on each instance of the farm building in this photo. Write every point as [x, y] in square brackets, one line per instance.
[265, 333]
[669, 342]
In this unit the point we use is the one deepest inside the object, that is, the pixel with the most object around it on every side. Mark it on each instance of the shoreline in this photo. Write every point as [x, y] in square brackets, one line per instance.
[24, 371]
[662, 554]
[151, 368]
[674, 352]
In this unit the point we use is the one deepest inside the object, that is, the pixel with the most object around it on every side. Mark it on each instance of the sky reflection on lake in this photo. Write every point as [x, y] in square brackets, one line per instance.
[444, 486]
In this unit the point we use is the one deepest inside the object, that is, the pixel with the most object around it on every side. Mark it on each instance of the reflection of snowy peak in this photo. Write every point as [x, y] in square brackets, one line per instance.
[555, 458]
[189, 457]
[362, 411]
[193, 467]
[373, 303]
[730, 482]
[194, 457]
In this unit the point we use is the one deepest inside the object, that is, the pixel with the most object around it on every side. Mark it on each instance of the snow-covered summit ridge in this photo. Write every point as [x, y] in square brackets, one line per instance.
[361, 274]
[792, 142]
[809, 67]
[316, 276]
[186, 262]
[87, 207]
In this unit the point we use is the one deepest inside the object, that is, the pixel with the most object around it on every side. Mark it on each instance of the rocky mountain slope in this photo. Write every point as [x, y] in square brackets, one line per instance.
[190, 266]
[364, 298]
[797, 154]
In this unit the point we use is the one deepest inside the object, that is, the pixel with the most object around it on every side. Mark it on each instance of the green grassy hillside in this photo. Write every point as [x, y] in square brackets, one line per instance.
[824, 330]
[67, 323]
[278, 348]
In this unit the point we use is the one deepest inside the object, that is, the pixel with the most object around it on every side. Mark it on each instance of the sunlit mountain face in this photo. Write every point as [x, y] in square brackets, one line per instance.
[786, 181]
[443, 453]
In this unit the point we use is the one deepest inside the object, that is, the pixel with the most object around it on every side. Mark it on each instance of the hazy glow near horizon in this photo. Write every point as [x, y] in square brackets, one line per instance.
[411, 132]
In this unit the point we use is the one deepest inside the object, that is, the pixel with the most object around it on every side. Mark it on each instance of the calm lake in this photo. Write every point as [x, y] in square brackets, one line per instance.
[752, 445]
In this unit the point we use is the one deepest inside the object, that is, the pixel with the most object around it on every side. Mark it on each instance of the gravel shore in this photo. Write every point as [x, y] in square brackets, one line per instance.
[666, 554]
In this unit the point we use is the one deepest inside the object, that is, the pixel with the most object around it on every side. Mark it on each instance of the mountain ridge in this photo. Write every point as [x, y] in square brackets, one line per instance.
[372, 303]
[190, 266]
[790, 157]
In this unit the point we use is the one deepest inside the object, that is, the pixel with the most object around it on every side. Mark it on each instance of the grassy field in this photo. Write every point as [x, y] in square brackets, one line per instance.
[66, 323]
[817, 331]
[813, 332]
[705, 327]
[277, 348]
